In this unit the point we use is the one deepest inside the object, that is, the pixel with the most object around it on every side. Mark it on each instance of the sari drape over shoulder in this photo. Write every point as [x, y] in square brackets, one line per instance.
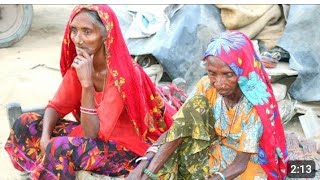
[236, 49]
[130, 99]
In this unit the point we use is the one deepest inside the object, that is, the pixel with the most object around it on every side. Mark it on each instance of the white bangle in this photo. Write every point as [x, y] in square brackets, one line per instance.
[87, 112]
[141, 158]
[221, 175]
[156, 145]
[153, 149]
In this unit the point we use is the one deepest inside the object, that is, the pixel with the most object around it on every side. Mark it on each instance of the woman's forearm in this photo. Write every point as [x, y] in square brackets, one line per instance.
[236, 168]
[165, 151]
[50, 119]
[158, 159]
[89, 122]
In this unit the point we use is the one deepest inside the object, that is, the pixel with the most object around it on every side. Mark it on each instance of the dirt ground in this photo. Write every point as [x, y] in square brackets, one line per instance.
[21, 81]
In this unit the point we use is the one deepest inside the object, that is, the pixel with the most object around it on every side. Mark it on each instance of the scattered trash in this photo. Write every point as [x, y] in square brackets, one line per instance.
[155, 72]
[180, 83]
[271, 58]
[173, 95]
[279, 90]
[287, 108]
[145, 60]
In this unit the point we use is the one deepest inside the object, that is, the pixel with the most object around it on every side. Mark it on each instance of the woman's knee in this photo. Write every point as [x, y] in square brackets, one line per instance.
[28, 118]
[58, 146]
[27, 124]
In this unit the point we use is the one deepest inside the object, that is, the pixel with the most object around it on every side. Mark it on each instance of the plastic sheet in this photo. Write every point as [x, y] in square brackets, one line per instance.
[302, 39]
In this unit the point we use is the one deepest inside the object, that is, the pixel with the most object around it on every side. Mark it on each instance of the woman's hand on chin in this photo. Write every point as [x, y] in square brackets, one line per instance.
[84, 67]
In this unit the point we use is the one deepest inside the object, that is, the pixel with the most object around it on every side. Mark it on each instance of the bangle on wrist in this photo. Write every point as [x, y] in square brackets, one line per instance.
[153, 149]
[150, 174]
[144, 158]
[88, 110]
[221, 175]
[156, 145]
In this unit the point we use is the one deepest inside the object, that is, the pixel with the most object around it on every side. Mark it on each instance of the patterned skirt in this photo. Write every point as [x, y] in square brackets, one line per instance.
[64, 154]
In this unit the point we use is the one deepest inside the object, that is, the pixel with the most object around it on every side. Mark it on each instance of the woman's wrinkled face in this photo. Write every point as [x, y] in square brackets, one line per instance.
[221, 76]
[86, 34]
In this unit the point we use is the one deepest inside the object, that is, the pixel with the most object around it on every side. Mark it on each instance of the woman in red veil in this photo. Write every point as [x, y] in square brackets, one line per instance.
[118, 110]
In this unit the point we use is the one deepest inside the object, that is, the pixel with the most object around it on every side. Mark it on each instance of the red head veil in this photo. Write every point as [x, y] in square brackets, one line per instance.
[236, 49]
[142, 102]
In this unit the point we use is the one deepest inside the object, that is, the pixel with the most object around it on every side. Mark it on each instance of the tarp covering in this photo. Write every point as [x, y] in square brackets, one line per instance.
[179, 47]
[302, 39]
[180, 42]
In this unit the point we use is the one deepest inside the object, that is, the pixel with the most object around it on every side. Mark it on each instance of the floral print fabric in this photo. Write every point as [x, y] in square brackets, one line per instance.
[195, 122]
[236, 49]
[65, 155]
[212, 139]
[257, 129]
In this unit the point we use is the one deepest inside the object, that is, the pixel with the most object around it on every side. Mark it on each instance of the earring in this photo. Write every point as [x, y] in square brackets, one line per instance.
[81, 42]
